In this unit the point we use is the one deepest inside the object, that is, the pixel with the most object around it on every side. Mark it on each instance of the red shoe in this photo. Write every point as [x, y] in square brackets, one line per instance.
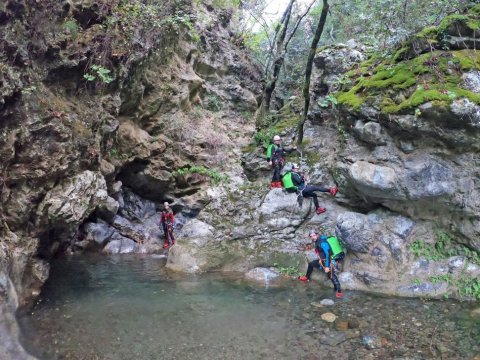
[279, 184]
[166, 246]
[339, 294]
[273, 185]
[303, 278]
[321, 210]
[333, 190]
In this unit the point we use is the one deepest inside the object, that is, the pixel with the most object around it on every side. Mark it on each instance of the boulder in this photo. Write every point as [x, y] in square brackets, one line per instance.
[375, 180]
[70, 202]
[133, 231]
[108, 209]
[120, 245]
[97, 233]
[135, 207]
[371, 132]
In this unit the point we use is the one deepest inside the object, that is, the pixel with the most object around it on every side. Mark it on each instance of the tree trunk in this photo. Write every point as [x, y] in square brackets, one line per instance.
[277, 65]
[308, 71]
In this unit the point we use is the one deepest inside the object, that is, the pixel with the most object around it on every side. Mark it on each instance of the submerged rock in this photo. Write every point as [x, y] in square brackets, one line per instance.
[327, 302]
[328, 317]
[262, 275]
[372, 341]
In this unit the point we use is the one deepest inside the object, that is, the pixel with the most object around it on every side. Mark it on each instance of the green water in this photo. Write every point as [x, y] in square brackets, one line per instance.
[131, 307]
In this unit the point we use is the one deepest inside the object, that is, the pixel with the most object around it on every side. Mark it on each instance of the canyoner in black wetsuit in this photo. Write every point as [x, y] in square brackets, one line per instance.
[324, 262]
[276, 160]
[294, 181]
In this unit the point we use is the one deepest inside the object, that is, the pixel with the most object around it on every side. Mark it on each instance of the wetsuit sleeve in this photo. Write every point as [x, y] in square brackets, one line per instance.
[172, 218]
[297, 179]
[326, 249]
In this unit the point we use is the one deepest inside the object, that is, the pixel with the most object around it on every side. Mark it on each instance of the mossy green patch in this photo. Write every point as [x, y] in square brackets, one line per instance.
[350, 98]
[438, 72]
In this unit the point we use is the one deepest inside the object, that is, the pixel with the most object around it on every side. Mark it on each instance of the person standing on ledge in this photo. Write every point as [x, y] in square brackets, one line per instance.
[275, 159]
[167, 221]
[294, 181]
[323, 263]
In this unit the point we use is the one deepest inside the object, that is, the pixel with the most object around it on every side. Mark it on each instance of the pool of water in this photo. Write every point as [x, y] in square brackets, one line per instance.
[131, 307]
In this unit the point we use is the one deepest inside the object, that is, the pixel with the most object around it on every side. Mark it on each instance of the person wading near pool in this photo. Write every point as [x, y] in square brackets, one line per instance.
[294, 181]
[324, 262]
[276, 161]
[167, 221]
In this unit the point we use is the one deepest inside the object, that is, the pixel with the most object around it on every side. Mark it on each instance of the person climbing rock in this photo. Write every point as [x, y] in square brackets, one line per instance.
[167, 221]
[294, 181]
[324, 253]
[275, 159]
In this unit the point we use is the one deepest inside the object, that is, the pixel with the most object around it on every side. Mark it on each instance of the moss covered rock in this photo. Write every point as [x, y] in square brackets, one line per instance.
[428, 68]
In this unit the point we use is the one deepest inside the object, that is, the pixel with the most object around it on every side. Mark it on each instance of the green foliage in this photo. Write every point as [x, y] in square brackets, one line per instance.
[179, 20]
[416, 281]
[329, 99]
[29, 90]
[214, 175]
[99, 73]
[264, 137]
[213, 103]
[221, 4]
[289, 271]
[71, 25]
[466, 286]
[443, 248]
[114, 153]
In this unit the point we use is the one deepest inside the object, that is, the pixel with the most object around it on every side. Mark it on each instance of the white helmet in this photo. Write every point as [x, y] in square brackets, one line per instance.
[276, 137]
[295, 166]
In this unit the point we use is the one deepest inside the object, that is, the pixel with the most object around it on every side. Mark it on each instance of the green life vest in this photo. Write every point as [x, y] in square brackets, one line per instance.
[272, 148]
[287, 181]
[334, 245]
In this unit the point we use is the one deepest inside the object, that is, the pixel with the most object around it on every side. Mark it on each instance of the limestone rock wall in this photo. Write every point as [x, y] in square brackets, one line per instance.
[86, 163]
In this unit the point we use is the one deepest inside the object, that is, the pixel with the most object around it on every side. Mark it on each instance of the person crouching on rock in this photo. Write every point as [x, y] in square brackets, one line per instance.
[167, 221]
[324, 253]
[294, 181]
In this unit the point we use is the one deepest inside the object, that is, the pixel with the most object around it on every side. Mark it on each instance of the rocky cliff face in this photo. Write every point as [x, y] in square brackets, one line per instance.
[401, 145]
[105, 109]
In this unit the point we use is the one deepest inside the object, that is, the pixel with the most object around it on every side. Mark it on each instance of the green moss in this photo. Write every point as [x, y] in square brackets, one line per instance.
[249, 148]
[438, 70]
[475, 10]
[443, 96]
[428, 33]
[400, 53]
[350, 98]
[286, 123]
[471, 20]
[467, 59]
